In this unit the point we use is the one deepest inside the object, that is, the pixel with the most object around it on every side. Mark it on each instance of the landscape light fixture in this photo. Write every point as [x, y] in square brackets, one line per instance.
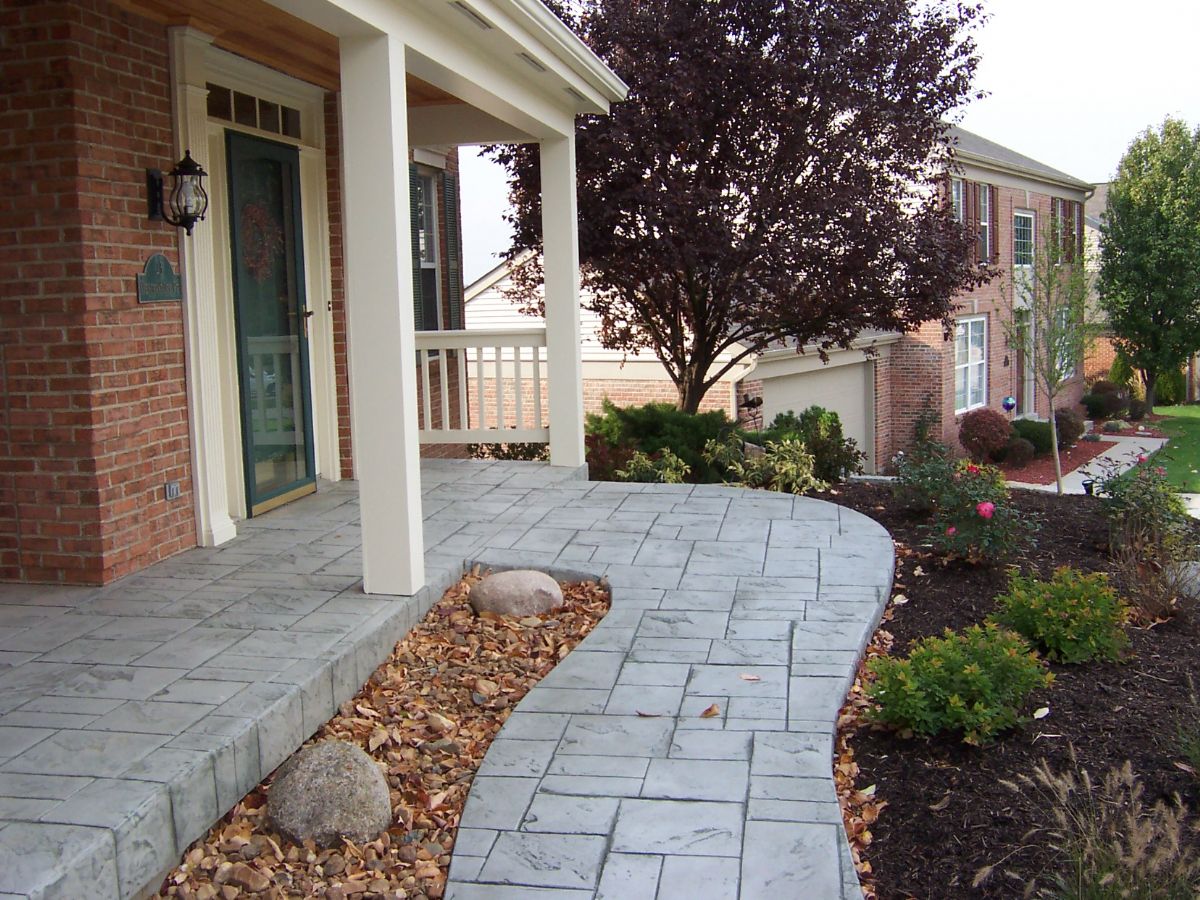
[187, 201]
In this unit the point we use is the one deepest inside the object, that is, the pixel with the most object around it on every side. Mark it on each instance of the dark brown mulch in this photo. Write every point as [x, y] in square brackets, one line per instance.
[946, 814]
[1040, 470]
[427, 715]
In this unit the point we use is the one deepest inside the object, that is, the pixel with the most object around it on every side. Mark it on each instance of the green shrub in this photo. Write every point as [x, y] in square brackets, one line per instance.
[1037, 433]
[1071, 427]
[786, 466]
[1019, 453]
[920, 474]
[984, 433]
[1113, 428]
[513, 451]
[1143, 510]
[1071, 618]
[1137, 410]
[1121, 372]
[1095, 404]
[820, 430]
[976, 681]
[663, 467]
[972, 518]
[660, 426]
[1170, 389]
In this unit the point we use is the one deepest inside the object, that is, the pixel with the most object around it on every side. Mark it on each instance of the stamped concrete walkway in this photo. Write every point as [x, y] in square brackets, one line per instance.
[133, 715]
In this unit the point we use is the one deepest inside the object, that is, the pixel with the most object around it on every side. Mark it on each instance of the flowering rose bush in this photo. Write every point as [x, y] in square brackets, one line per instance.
[972, 518]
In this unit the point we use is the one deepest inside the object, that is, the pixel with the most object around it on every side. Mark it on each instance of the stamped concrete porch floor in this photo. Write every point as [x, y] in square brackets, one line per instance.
[132, 716]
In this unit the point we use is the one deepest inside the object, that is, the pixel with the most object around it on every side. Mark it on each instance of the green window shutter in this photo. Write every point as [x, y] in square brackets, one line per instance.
[414, 190]
[453, 250]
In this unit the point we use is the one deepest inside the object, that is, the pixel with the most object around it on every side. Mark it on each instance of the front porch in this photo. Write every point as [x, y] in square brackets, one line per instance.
[136, 714]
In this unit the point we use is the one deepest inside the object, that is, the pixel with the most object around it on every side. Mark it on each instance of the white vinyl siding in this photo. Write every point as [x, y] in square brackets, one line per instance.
[970, 364]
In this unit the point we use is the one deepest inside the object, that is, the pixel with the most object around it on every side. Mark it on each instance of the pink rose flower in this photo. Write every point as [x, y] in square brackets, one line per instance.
[986, 509]
[973, 469]
[1159, 470]
[1141, 457]
[951, 531]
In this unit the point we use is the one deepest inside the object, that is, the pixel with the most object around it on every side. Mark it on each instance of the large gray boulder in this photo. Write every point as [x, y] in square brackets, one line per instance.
[329, 791]
[521, 592]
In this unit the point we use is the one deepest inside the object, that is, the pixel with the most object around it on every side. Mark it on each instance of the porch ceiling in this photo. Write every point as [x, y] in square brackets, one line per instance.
[266, 34]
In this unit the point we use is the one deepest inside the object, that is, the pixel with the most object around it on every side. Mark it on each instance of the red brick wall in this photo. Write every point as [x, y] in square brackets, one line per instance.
[333, 181]
[95, 397]
[1100, 357]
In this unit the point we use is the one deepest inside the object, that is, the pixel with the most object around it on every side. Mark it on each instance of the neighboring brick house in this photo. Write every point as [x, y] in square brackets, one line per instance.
[283, 354]
[1102, 353]
[1007, 199]
[1010, 200]
[624, 378]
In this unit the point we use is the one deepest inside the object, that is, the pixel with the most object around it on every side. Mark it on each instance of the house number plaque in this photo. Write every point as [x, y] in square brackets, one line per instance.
[158, 281]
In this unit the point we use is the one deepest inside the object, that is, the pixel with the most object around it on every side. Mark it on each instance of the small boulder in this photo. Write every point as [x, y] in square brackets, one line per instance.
[329, 791]
[521, 592]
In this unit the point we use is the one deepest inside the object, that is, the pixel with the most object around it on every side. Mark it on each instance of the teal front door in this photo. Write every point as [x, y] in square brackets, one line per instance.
[271, 315]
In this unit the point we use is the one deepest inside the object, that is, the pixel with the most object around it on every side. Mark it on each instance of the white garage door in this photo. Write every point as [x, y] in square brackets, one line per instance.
[843, 389]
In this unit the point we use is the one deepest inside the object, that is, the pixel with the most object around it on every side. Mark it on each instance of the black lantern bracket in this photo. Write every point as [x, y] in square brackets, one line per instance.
[185, 201]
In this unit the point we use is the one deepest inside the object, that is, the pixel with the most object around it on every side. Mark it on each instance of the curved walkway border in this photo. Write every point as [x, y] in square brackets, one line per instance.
[606, 781]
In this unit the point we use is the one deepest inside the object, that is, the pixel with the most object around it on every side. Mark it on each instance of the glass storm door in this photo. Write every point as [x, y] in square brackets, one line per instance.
[271, 315]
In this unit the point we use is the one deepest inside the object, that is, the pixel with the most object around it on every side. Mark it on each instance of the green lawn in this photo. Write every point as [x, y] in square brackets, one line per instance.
[1182, 456]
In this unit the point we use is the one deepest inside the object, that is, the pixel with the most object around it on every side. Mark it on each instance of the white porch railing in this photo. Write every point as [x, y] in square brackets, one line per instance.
[491, 384]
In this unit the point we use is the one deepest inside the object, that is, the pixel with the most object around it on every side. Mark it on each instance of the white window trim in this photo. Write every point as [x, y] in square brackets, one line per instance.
[430, 177]
[967, 323]
[1029, 214]
[957, 207]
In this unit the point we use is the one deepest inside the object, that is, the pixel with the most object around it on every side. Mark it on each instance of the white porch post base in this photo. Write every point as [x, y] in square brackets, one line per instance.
[564, 367]
[379, 303]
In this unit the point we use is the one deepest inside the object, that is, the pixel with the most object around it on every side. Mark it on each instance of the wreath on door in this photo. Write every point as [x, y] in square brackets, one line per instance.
[262, 240]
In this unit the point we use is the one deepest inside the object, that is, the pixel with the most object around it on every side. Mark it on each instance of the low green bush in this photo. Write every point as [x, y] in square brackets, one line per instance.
[661, 426]
[786, 466]
[920, 474]
[1037, 433]
[1170, 389]
[1071, 618]
[976, 681]
[1137, 410]
[1095, 404]
[1144, 513]
[664, 467]
[835, 456]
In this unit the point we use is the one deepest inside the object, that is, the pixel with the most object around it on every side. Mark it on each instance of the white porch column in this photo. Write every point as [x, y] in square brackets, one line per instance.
[560, 248]
[205, 428]
[379, 303]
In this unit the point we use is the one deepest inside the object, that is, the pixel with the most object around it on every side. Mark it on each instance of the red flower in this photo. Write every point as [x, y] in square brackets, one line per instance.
[1159, 470]
[986, 509]
[951, 530]
[973, 469]
[1141, 457]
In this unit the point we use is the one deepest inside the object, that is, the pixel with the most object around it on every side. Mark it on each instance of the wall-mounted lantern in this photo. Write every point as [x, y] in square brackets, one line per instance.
[187, 201]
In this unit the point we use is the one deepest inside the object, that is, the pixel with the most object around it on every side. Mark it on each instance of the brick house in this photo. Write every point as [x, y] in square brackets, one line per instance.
[145, 412]
[1008, 199]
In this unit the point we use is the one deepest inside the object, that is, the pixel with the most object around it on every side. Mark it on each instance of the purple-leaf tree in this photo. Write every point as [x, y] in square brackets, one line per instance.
[774, 175]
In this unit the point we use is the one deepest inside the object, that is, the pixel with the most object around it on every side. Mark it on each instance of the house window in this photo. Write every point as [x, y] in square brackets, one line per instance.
[427, 253]
[956, 199]
[970, 364]
[1022, 239]
[985, 223]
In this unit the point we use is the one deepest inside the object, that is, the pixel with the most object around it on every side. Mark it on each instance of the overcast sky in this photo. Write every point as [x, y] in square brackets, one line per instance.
[1070, 83]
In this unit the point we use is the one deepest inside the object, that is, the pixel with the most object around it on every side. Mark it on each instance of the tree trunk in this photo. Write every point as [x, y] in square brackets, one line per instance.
[691, 388]
[1054, 450]
[1150, 380]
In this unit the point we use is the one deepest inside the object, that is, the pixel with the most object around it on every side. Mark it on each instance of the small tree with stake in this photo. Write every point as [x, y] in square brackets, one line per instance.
[1054, 332]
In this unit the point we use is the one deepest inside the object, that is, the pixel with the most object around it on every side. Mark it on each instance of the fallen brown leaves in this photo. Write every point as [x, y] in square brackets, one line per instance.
[427, 715]
[860, 808]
